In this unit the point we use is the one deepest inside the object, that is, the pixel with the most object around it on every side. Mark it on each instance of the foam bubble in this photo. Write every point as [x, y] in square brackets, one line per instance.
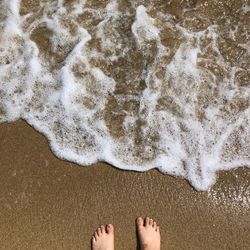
[143, 28]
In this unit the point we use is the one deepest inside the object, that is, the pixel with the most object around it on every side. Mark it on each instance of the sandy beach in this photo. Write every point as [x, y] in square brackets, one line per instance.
[47, 203]
[160, 85]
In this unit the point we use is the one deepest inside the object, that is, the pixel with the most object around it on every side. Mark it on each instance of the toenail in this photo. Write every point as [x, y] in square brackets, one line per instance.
[139, 220]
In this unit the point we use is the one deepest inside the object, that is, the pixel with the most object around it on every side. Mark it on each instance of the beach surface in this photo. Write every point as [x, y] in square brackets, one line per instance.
[47, 203]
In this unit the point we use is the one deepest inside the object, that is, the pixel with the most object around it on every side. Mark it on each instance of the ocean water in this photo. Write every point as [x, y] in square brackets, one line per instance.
[140, 84]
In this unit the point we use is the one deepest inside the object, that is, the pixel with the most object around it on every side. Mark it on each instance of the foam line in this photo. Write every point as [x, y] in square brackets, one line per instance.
[131, 85]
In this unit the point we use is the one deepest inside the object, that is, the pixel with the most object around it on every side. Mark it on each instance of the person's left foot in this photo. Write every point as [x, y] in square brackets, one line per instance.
[103, 238]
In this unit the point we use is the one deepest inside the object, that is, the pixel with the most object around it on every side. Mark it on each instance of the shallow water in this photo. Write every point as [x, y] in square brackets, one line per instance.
[138, 84]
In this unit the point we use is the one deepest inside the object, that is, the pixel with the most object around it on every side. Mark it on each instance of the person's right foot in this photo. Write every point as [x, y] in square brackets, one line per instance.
[149, 234]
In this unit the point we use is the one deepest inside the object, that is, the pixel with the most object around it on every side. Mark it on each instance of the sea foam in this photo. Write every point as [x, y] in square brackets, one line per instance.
[133, 84]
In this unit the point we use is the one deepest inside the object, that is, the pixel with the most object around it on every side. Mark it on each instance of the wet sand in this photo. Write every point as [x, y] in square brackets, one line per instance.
[47, 203]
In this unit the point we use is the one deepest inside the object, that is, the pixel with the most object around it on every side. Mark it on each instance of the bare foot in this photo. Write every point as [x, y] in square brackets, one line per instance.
[103, 238]
[149, 234]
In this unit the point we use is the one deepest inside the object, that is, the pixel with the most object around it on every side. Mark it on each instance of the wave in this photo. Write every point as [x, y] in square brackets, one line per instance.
[137, 84]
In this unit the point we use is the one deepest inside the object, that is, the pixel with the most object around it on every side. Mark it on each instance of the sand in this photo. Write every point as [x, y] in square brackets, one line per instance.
[47, 203]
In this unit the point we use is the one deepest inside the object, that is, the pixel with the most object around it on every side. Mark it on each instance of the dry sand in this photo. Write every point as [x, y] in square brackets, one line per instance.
[47, 203]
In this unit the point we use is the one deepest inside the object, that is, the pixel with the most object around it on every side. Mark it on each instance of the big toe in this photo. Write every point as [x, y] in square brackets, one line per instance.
[139, 222]
[110, 229]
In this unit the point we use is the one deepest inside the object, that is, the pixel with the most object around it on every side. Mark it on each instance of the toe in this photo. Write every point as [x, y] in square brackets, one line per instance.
[151, 222]
[96, 235]
[139, 221]
[93, 240]
[102, 229]
[154, 225]
[147, 221]
[99, 231]
[157, 229]
[110, 228]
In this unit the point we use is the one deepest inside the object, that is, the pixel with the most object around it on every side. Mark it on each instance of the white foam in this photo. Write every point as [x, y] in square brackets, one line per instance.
[71, 110]
[143, 28]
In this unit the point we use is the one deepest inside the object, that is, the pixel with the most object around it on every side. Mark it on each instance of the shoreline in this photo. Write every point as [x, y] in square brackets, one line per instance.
[48, 203]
